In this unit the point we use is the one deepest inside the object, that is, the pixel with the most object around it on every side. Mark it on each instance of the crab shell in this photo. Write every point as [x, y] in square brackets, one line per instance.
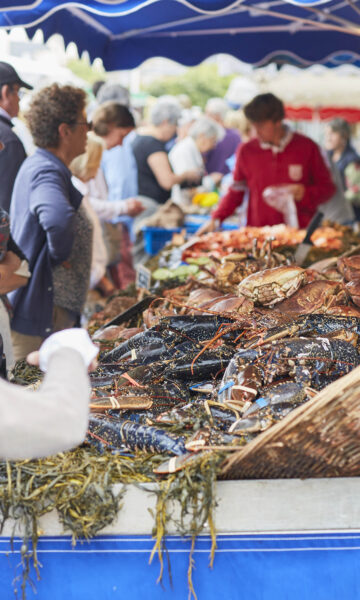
[313, 297]
[353, 289]
[349, 267]
[272, 285]
[343, 311]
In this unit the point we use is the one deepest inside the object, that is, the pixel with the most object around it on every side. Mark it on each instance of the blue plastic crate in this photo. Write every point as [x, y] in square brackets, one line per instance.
[229, 226]
[192, 228]
[155, 238]
[193, 222]
[196, 220]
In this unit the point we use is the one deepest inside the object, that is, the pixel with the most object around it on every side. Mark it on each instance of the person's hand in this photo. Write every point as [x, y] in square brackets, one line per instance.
[208, 227]
[216, 177]
[297, 190]
[11, 260]
[33, 359]
[76, 338]
[134, 207]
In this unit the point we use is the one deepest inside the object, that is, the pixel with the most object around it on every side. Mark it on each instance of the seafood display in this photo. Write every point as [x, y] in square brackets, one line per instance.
[219, 244]
[213, 362]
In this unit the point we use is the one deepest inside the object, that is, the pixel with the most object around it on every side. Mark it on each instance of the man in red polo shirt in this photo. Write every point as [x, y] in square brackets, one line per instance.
[276, 157]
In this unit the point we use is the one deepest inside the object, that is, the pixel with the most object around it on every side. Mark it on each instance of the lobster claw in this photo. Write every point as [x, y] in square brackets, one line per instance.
[177, 463]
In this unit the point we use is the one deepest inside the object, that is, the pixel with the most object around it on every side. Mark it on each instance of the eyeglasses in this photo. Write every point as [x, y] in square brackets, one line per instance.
[87, 123]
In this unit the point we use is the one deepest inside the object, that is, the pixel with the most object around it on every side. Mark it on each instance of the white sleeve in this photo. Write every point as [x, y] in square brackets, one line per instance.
[98, 197]
[107, 210]
[52, 419]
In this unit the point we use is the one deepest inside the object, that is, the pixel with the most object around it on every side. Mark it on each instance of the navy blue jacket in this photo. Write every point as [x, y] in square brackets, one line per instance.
[43, 209]
[348, 156]
[11, 159]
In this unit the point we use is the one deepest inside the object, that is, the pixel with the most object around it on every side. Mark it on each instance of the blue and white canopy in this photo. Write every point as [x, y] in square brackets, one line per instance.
[125, 33]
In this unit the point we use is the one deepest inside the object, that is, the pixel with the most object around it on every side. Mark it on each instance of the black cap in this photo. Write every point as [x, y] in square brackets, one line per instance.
[9, 75]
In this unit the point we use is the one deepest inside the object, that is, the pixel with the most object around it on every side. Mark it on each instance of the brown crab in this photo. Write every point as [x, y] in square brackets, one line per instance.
[343, 311]
[353, 289]
[238, 265]
[272, 285]
[349, 267]
[314, 296]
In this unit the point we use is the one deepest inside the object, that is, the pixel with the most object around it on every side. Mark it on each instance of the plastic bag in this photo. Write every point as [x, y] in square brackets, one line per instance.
[281, 198]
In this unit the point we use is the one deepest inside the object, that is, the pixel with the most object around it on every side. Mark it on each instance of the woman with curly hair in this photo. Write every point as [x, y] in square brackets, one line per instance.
[48, 222]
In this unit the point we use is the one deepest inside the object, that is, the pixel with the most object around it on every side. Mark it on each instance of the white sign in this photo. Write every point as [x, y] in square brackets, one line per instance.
[143, 277]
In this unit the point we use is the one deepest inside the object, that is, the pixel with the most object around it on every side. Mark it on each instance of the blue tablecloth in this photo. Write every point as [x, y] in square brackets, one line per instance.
[319, 566]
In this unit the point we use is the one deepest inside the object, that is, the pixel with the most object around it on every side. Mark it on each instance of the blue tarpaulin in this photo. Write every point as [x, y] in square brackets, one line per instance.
[306, 566]
[125, 33]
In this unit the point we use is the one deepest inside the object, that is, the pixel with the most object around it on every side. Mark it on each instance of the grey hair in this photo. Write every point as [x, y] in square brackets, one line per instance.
[217, 106]
[165, 109]
[341, 126]
[208, 128]
[113, 92]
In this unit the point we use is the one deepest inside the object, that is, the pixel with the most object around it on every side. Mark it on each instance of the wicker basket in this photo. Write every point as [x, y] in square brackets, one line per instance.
[319, 439]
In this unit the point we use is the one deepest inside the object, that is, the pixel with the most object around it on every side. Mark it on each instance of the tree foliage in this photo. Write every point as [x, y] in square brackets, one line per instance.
[81, 68]
[200, 83]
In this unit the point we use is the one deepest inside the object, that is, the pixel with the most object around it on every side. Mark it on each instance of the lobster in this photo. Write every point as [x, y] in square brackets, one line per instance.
[313, 324]
[119, 433]
[312, 361]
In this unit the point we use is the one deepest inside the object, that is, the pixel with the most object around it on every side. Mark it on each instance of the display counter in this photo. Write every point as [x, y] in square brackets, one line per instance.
[277, 539]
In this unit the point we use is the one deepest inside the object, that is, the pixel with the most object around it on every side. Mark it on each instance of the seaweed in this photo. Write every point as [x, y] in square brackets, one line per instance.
[79, 485]
[25, 374]
[193, 489]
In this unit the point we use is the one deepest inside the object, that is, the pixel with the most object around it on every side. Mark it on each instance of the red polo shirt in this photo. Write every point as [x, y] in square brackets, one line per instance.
[257, 167]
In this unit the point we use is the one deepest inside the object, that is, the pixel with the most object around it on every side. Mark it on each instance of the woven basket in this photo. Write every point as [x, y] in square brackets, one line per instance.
[319, 439]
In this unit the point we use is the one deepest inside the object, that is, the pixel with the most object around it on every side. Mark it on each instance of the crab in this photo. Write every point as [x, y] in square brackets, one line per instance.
[238, 265]
[315, 296]
[353, 289]
[272, 285]
[233, 269]
[349, 267]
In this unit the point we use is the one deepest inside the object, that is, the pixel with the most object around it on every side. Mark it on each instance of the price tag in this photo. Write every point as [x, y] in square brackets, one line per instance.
[143, 277]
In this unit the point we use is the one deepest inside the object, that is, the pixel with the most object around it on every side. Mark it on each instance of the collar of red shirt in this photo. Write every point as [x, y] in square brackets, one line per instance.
[285, 140]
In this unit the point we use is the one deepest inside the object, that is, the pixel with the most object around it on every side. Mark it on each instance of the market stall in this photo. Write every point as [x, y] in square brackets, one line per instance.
[176, 403]
[175, 409]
